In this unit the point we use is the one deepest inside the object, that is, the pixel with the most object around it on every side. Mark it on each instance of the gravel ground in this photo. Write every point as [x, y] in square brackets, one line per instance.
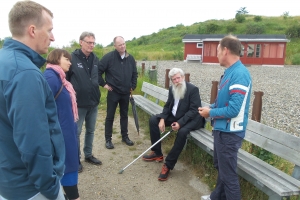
[280, 102]
[139, 181]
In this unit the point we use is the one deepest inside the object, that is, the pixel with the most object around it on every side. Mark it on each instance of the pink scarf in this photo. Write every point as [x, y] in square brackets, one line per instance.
[68, 86]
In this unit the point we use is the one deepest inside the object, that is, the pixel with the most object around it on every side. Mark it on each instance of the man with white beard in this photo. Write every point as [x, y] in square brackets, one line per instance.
[181, 113]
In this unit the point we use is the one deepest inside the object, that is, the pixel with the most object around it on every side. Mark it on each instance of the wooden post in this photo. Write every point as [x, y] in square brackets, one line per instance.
[143, 69]
[257, 106]
[153, 67]
[187, 77]
[167, 80]
[214, 91]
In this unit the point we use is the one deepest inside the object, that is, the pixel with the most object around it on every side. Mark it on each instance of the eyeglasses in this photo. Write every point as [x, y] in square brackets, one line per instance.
[89, 43]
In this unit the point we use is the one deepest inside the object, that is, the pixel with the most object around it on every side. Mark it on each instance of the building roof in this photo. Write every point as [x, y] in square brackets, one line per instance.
[246, 37]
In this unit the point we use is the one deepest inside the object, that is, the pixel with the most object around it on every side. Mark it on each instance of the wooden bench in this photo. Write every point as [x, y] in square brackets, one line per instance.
[193, 57]
[273, 182]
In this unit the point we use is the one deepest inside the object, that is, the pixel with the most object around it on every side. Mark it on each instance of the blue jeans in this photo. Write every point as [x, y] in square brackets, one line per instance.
[226, 146]
[89, 115]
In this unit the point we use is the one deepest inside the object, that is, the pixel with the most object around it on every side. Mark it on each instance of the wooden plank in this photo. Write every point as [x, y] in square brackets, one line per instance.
[147, 105]
[273, 146]
[275, 134]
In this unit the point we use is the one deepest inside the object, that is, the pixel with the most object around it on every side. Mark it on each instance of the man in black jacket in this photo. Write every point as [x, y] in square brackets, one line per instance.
[181, 113]
[120, 78]
[83, 75]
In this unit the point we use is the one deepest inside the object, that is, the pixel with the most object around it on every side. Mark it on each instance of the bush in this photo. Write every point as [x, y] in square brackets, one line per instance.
[231, 28]
[293, 31]
[240, 18]
[178, 55]
[255, 28]
[201, 29]
[296, 59]
[176, 40]
[212, 28]
[257, 18]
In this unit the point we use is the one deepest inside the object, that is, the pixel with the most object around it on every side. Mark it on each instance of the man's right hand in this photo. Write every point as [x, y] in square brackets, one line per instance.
[108, 87]
[161, 125]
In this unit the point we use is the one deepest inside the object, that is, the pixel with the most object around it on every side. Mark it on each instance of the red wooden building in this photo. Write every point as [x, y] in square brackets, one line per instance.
[256, 49]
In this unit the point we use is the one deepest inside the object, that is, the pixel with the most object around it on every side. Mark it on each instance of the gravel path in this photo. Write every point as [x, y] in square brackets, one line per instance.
[139, 180]
[281, 87]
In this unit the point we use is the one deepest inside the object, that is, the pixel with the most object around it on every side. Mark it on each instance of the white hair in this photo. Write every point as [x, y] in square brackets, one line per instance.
[174, 71]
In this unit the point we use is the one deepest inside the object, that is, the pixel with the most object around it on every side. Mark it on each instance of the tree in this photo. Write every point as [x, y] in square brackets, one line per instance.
[240, 15]
[286, 14]
[242, 11]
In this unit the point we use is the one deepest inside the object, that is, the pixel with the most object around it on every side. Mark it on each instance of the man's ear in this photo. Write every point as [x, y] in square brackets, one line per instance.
[31, 30]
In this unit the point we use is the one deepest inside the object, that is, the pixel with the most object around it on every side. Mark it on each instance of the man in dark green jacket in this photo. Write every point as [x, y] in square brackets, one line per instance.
[120, 78]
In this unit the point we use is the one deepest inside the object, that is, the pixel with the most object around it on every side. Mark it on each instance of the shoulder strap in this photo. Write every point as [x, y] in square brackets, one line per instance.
[59, 91]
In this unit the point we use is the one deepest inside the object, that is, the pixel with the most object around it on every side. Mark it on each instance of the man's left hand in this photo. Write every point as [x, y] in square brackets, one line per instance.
[175, 126]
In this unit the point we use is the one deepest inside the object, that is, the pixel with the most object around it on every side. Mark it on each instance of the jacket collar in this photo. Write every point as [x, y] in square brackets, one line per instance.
[37, 59]
[232, 67]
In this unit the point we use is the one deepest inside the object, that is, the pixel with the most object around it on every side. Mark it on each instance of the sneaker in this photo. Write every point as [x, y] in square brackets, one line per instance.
[93, 160]
[127, 141]
[80, 168]
[163, 176]
[206, 197]
[153, 157]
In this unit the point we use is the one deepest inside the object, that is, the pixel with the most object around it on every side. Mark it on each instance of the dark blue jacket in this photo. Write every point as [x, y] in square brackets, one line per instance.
[32, 148]
[66, 120]
[120, 74]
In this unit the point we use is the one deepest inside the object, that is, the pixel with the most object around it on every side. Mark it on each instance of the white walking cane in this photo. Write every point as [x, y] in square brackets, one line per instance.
[122, 170]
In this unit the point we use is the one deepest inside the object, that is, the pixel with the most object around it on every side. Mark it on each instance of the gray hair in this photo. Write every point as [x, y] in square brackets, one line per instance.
[174, 71]
[86, 34]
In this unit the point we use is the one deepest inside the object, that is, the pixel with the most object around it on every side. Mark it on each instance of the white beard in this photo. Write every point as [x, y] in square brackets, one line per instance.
[179, 90]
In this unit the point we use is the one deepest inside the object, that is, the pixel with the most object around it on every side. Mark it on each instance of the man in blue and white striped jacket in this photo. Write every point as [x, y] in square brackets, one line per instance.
[230, 118]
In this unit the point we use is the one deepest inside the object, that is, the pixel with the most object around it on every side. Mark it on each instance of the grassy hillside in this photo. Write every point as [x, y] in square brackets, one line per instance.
[167, 44]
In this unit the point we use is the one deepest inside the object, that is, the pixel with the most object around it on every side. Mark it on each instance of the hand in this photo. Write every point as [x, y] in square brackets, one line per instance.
[175, 126]
[108, 87]
[161, 125]
[204, 111]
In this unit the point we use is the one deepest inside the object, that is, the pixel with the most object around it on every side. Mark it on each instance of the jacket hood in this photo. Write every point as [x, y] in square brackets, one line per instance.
[12, 44]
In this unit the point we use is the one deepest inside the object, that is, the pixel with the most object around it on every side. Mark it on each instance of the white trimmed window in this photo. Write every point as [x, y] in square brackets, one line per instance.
[199, 44]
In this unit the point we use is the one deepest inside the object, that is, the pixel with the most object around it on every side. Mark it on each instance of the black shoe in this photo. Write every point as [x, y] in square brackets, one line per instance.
[163, 176]
[93, 160]
[109, 144]
[127, 141]
[80, 168]
[153, 157]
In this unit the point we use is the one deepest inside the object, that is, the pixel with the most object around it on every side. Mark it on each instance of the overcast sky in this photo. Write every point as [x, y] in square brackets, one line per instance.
[135, 18]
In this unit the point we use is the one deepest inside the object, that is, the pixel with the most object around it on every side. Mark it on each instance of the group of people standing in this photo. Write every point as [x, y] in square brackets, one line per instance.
[42, 114]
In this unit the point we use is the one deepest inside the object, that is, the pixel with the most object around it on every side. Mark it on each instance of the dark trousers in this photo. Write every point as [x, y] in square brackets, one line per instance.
[113, 99]
[226, 146]
[179, 143]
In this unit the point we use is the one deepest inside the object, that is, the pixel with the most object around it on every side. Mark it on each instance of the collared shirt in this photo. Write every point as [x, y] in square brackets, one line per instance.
[174, 109]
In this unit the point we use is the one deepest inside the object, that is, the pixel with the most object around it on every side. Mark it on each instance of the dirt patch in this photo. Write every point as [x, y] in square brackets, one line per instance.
[139, 180]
